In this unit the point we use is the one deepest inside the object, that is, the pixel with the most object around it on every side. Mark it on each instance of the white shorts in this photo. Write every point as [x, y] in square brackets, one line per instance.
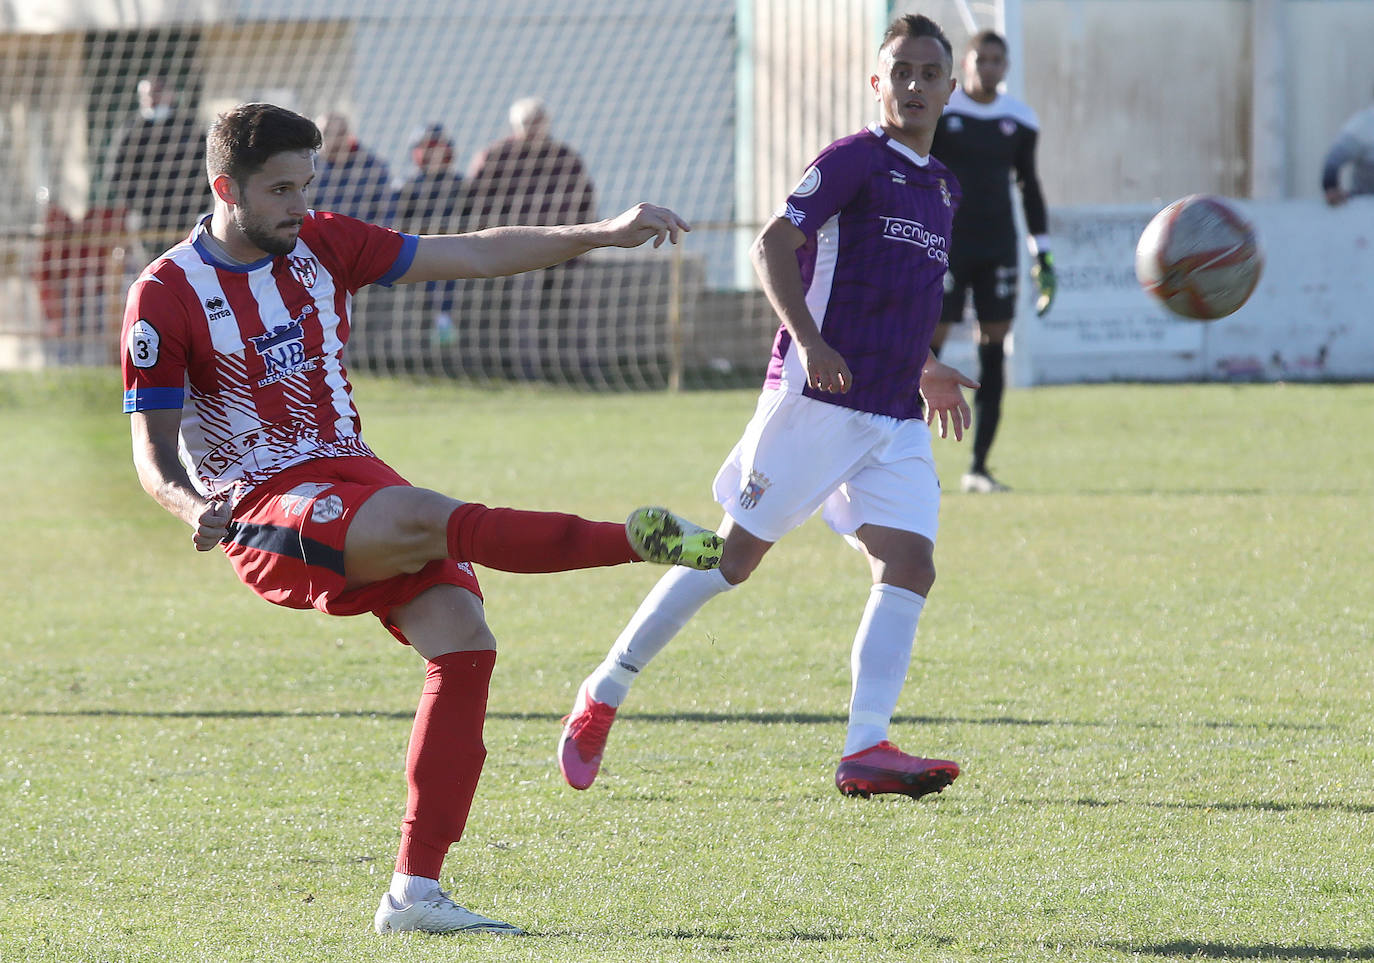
[798, 454]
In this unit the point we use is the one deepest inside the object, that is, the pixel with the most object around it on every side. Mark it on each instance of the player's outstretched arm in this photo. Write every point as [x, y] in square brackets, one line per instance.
[942, 389]
[164, 478]
[500, 251]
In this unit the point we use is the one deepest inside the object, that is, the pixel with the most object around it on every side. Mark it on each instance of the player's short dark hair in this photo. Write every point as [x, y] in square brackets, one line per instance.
[987, 36]
[242, 139]
[916, 25]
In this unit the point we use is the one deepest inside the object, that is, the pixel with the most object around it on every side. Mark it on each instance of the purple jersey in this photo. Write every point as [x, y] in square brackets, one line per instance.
[877, 218]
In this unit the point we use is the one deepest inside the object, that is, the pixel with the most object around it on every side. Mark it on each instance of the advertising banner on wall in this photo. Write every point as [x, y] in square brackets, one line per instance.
[1311, 318]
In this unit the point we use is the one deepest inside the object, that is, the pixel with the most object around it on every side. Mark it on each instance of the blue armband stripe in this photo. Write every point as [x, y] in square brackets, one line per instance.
[409, 242]
[151, 399]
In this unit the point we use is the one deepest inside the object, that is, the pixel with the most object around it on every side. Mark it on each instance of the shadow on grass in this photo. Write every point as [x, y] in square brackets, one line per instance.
[789, 936]
[724, 938]
[1254, 805]
[1190, 949]
[666, 718]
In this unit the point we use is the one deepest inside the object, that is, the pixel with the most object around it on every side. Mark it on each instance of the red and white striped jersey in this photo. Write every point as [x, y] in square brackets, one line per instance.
[253, 354]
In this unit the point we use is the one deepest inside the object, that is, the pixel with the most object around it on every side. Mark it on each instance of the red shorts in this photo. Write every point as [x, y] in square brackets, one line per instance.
[287, 541]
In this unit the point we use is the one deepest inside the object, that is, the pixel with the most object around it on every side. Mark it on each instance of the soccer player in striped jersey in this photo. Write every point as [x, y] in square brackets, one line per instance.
[854, 266]
[985, 137]
[245, 428]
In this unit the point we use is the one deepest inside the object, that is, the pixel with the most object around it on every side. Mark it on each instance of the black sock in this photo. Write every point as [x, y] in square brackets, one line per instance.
[987, 403]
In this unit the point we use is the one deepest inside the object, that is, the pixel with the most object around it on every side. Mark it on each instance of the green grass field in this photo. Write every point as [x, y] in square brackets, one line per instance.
[1153, 660]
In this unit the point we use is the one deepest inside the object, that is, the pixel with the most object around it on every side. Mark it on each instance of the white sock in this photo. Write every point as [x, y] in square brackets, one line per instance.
[679, 595]
[878, 663]
[406, 889]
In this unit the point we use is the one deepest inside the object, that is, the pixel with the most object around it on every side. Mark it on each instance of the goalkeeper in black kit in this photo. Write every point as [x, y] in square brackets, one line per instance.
[985, 137]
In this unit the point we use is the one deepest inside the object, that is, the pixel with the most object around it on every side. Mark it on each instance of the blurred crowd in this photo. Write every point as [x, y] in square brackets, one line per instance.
[156, 189]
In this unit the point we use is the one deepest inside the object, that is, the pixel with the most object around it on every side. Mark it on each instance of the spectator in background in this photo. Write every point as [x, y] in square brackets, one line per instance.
[1353, 147]
[155, 168]
[433, 201]
[528, 177]
[351, 179]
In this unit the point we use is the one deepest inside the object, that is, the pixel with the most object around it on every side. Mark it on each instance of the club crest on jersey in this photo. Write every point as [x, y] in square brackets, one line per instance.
[1007, 126]
[304, 270]
[954, 123]
[753, 489]
[944, 193]
[283, 350]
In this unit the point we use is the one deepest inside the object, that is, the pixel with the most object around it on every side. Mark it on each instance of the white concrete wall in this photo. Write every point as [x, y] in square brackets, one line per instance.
[1311, 317]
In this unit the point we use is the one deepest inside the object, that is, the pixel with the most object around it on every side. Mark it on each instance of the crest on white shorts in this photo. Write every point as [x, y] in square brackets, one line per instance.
[753, 489]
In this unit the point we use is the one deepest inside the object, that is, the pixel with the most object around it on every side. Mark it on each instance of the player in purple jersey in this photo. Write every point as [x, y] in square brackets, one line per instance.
[854, 266]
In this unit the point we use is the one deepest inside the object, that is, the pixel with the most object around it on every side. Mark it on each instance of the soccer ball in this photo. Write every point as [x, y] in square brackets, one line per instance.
[1200, 257]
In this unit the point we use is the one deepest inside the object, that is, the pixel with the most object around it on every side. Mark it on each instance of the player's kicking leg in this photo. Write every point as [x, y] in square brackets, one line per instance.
[660, 536]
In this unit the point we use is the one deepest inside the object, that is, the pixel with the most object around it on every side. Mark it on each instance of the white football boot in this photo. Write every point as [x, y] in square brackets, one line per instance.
[435, 914]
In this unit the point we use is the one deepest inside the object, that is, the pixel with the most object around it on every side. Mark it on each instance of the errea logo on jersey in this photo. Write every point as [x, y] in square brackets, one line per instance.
[914, 232]
[283, 350]
[216, 309]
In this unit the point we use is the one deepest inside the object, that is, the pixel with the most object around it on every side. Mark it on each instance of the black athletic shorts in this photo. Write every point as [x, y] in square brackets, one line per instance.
[993, 281]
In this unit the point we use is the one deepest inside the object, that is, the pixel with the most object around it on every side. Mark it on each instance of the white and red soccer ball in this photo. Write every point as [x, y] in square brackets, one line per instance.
[1200, 257]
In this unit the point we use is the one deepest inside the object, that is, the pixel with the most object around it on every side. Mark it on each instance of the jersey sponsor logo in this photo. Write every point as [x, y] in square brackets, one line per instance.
[809, 184]
[215, 309]
[753, 489]
[327, 509]
[143, 344]
[304, 270]
[914, 232]
[283, 350]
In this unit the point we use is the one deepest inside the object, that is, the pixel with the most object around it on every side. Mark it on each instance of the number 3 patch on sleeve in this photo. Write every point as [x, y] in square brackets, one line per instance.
[143, 344]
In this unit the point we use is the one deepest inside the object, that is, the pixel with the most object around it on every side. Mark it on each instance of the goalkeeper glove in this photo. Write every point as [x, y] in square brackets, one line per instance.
[1042, 273]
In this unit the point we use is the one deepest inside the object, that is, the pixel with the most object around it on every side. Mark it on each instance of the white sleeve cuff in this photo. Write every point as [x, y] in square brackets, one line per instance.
[1038, 244]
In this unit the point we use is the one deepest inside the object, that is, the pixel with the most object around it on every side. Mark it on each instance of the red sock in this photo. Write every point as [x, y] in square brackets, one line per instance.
[510, 540]
[445, 759]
